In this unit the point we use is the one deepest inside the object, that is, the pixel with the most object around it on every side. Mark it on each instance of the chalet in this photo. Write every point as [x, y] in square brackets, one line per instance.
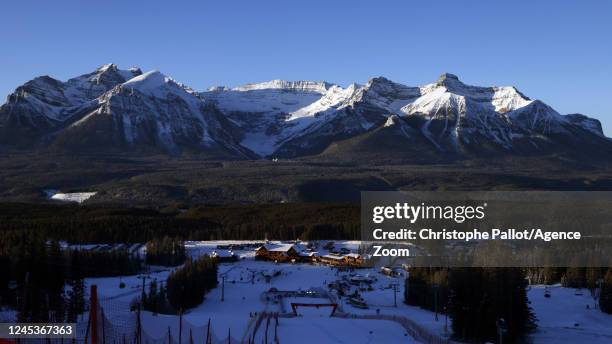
[277, 252]
[354, 259]
[308, 257]
[351, 259]
[332, 259]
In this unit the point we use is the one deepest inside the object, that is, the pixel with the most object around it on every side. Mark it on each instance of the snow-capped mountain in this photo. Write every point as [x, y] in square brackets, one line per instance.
[292, 119]
[113, 109]
[300, 118]
[152, 110]
[126, 109]
[44, 103]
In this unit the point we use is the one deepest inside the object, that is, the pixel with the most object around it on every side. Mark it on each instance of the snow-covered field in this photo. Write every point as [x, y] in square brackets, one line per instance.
[565, 318]
[243, 297]
[323, 329]
[233, 307]
[78, 197]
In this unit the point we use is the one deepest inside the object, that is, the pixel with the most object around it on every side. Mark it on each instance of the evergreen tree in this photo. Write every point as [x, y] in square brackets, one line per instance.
[32, 260]
[167, 252]
[54, 282]
[152, 300]
[574, 277]
[76, 294]
[482, 296]
[5, 276]
[415, 290]
[427, 288]
[605, 298]
[592, 276]
[187, 285]
[107, 263]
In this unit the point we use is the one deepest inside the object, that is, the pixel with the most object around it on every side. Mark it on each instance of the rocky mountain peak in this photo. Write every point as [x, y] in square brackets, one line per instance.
[302, 85]
[446, 77]
[288, 118]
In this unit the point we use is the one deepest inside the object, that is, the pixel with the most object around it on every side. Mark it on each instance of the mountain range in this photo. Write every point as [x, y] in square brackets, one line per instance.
[115, 110]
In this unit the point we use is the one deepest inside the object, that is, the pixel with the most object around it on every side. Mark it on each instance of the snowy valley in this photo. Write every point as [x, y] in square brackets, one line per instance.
[250, 289]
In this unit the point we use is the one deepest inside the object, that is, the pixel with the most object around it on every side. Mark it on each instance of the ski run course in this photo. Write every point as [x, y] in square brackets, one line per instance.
[563, 317]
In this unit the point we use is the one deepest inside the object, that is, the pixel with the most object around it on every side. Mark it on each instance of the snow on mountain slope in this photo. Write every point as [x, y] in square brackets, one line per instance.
[93, 85]
[454, 115]
[301, 86]
[273, 96]
[280, 113]
[539, 117]
[42, 98]
[45, 103]
[153, 110]
[335, 98]
[502, 99]
[126, 108]
[296, 118]
[272, 113]
[437, 98]
[329, 108]
[459, 118]
[388, 95]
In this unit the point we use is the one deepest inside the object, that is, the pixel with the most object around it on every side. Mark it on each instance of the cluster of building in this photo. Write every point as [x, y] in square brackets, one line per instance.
[297, 253]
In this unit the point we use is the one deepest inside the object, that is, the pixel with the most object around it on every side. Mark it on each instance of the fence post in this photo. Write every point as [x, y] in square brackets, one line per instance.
[267, 325]
[138, 327]
[276, 328]
[86, 330]
[103, 330]
[181, 327]
[93, 313]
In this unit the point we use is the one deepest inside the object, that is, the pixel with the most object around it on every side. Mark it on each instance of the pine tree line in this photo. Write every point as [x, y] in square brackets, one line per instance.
[40, 270]
[45, 283]
[605, 297]
[570, 277]
[155, 299]
[166, 251]
[101, 224]
[475, 299]
[427, 288]
[117, 262]
[480, 297]
[187, 285]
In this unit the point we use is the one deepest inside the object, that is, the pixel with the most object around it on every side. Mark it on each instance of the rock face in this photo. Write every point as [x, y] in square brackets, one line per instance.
[151, 111]
[126, 110]
[44, 105]
[290, 119]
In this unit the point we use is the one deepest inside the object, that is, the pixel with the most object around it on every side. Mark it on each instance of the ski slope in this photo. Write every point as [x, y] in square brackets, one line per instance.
[562, 318]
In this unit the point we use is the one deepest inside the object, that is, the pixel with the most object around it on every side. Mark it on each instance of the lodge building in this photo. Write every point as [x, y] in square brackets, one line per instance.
[350, 259]
[285, 253]
[277, 252]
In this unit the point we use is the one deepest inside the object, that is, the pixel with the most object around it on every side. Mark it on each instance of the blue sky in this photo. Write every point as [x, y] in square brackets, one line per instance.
[556, 51]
